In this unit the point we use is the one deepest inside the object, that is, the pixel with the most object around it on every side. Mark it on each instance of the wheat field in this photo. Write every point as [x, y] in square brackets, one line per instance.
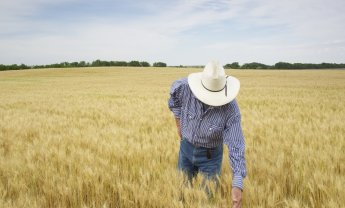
[104, 137]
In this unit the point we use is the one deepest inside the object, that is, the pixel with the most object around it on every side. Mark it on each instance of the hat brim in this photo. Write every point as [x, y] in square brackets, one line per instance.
[213, 98]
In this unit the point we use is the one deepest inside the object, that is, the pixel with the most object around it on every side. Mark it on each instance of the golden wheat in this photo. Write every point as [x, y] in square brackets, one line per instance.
[104, 137]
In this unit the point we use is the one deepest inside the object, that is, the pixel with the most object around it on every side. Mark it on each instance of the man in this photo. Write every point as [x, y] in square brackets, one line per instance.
[207, 115]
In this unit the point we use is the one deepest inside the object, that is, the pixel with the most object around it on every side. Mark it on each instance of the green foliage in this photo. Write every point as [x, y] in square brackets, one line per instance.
[255, 65]
[144, 64]
[234, 65]
[159, 64]
[285, 65]
[134, 63]
[13, 67]
[118, 63]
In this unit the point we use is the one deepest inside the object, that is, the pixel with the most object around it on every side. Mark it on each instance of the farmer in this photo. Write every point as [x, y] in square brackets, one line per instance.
[207, 115]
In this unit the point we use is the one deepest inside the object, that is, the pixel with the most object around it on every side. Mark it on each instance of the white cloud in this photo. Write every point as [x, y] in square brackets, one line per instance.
[89, 43]
[264, 31]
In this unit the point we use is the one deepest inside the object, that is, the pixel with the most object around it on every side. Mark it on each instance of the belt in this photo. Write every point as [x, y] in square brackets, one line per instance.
[208, 150]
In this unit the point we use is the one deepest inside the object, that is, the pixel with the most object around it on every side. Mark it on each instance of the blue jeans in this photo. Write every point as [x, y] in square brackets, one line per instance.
[207, 161]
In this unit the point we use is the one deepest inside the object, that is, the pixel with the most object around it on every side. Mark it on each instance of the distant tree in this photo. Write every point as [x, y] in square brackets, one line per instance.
[234, 65]
[82, 64]
[23, 66]
[283, 65]
[159, 64]
[255, 65]
[227, 66]
[96, 63]
[144, 64]
[53, 66]
[121, 63]
[134, 63]
[74, 64]
[14, 67]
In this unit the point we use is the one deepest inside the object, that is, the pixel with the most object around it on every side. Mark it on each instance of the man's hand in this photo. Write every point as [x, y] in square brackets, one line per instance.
[178, 127]
[236, 197]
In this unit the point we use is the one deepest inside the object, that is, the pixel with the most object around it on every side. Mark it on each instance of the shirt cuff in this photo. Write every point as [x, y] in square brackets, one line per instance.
[237, 181]
[176, 112]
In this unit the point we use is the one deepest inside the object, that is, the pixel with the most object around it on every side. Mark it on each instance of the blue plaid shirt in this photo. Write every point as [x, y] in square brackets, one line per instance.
[211, 127]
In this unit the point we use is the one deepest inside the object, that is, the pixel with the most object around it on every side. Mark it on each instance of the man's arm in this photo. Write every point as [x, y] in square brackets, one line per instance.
[234, 139]
[175, 101]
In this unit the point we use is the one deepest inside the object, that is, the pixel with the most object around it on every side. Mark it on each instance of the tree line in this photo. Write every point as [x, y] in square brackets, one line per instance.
[284, 65]
[234, 65]
[95, 63]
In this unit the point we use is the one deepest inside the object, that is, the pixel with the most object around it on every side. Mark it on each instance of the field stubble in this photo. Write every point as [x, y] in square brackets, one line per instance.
[105, 138]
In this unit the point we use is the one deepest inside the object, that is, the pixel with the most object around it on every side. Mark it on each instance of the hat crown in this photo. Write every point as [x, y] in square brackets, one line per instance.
[213, 76]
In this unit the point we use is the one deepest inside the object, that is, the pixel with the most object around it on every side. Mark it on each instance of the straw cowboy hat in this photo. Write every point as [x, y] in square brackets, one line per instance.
[212, 86]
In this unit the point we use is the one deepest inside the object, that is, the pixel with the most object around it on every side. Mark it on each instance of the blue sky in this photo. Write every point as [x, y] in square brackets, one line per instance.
[187, 32]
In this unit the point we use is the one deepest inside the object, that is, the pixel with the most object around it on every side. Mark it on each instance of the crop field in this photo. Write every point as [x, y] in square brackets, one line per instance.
[104, 137]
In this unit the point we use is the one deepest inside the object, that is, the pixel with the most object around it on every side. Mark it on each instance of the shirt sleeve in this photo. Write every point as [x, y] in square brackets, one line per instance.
[234, 139]
[175, 100]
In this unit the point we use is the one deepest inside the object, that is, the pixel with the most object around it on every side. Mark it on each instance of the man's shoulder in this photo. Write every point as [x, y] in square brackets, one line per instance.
[181, 81]
[232, 108]
[179, 84]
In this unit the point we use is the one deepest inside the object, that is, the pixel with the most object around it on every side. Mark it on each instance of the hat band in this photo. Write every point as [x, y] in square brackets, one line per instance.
[225, 87]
